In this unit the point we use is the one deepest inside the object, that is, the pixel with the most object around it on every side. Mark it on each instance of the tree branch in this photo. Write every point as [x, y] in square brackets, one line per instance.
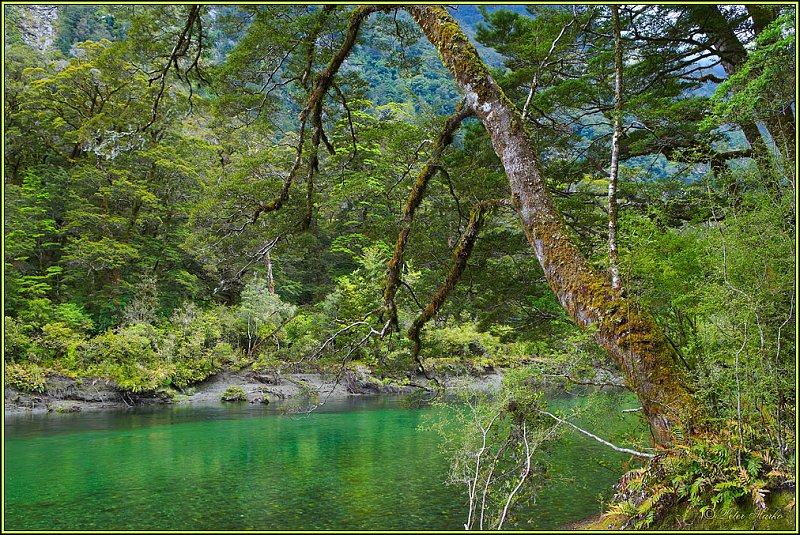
[588, 434]
[461, 254]
[414, 199]
[179, 50]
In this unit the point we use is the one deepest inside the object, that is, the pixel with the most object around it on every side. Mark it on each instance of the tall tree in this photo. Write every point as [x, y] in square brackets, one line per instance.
[644, 354]
[613, 260]
[646, 357]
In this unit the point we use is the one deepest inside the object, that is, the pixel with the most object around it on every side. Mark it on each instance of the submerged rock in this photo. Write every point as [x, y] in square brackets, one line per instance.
[65, 408]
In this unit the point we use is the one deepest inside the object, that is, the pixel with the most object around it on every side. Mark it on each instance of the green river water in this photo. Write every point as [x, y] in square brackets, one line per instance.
[356, 464]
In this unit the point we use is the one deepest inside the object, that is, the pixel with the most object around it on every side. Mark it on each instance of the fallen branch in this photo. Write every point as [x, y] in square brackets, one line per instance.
[588, 434]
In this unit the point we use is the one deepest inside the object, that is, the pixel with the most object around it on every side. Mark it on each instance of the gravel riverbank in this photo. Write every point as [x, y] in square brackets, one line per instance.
[64, 394]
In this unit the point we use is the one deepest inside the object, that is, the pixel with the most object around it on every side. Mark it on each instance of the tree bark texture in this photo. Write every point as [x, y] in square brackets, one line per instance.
[639, 347]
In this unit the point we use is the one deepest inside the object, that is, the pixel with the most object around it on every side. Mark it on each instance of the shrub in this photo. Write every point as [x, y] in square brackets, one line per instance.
[709, 473]
[453, 346]
[27, 378]
[74, 316]
[59, 337]
[16, 342]
[234, 393]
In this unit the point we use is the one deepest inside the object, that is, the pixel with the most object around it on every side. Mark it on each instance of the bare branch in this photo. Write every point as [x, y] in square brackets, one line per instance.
[541, 64]
[473, 486]
[522, 478]
[588, 434]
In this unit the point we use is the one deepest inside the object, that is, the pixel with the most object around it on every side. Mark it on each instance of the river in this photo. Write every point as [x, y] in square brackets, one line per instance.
[355, 464]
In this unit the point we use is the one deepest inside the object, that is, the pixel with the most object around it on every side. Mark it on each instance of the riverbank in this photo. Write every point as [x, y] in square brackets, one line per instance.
[64, 394]
[777, 515]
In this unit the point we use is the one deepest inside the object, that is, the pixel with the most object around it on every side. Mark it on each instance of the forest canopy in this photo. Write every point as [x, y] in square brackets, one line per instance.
[582, 192]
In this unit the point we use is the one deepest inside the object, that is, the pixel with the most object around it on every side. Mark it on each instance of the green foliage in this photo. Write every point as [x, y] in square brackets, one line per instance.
[764, 84]
[140, 217]
[27, 377]
[358, 293]
[96, 101]
[721, 285]
[262, 315]
[452, 348]
[82, 23]
[198, 343]
[73, 316]
[234, 393]
[127, 357]
[497, 443]
[709, 474]
[60, 338]
[138, 357]
[303, 336]
[16, 342]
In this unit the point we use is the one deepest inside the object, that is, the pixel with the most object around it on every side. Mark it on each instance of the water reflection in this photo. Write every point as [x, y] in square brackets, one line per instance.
[355, 463]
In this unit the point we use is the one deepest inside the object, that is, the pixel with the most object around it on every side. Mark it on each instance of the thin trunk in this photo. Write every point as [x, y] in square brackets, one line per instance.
[613, 263]
[649, 362]
[270, 280]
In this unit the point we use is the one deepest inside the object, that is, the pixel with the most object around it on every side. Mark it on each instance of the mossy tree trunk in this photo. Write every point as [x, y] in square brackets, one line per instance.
[639, 347]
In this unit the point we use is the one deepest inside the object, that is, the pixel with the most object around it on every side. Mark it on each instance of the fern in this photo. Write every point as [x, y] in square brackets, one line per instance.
[703, 472]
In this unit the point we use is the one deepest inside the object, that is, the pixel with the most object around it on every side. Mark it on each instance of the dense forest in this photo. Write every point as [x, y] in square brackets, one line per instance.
[578, 195]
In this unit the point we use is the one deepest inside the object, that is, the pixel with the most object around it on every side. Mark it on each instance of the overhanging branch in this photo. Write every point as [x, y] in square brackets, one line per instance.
[413, 202]
[461, 254]
[595, 437]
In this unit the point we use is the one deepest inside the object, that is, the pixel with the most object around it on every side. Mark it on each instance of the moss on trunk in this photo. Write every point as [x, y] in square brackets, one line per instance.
[413, 202]
[461, 255]
[649, 361]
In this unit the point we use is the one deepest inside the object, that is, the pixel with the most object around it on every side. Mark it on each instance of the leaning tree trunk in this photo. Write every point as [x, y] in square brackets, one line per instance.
[639, 347]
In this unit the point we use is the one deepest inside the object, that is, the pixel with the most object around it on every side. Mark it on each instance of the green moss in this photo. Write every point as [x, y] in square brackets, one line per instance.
[633, 339]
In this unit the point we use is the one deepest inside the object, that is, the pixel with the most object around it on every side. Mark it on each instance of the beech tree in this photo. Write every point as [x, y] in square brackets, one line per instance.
[646, 357]
[643, 353]
[359, 191]
[297, 167]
